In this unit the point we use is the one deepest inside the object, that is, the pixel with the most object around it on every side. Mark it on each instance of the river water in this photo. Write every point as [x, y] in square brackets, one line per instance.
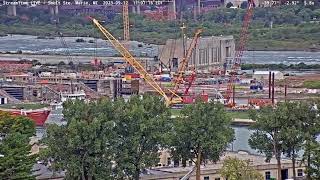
[31, 44]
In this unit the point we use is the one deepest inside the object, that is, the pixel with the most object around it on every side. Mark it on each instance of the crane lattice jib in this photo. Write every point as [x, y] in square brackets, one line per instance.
[131, 60]
[243, 36]
[241, 47]
[126, 25]
[185, 60]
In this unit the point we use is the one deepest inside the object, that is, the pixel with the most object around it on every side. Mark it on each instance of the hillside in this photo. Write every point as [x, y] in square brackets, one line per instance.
[278, 28]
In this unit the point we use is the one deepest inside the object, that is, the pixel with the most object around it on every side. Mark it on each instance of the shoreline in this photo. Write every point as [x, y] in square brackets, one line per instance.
[44, 37]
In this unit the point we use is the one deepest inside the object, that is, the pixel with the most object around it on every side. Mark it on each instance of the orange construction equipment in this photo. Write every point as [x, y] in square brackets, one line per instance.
[260, 102]
[184, 64]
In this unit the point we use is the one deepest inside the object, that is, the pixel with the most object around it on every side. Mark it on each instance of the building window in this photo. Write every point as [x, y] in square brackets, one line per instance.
[190, 163]
[300, 172]
[268, 175]
[216, 178]
[206, 178]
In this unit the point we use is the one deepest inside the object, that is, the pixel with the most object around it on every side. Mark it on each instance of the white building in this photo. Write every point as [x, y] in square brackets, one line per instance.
[264, 75]
[69, 96]
[168, 169]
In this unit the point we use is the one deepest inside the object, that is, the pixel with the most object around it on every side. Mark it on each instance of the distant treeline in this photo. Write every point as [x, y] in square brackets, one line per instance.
[280, 66]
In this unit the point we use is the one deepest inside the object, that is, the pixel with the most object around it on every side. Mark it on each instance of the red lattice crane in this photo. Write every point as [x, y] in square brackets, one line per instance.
[184, 63]
[237, 59]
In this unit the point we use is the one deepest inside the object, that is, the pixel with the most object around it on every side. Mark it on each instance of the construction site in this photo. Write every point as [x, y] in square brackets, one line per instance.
[185, 70]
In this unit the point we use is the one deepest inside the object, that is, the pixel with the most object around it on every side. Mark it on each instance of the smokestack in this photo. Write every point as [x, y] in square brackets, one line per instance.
[269, 84]
[233, 94]
[199, 7]
[272, 88]
[285, 92]
[172, 10]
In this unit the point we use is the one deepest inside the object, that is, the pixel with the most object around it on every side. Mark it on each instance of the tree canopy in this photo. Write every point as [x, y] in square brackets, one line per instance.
[83, 147]
[201, 133]
[108, 140]
[268, 131]
[236, 169]
[286, 129]
[143, 126]
[16, 161]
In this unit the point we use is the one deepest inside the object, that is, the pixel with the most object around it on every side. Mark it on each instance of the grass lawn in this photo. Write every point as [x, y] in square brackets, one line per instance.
[23, 106]
[311, 84]
[234, 114]
[175, 112]
[239, 114]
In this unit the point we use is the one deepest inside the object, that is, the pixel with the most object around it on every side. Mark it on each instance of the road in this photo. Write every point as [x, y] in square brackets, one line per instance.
[58, 58]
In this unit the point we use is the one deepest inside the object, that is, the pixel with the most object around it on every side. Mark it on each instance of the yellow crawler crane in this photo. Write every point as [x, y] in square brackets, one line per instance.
[132, 61]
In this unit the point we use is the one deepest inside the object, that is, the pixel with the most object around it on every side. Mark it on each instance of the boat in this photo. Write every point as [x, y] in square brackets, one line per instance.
[39, 116]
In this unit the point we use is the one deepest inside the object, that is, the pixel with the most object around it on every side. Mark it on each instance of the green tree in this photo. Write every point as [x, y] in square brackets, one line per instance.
[268, 131]
[236, 169]
[143, 127]
[311, 129]
[314, 169]
[61, 63]
[229, 5]
[293, 136]
[201, 133]
[16, 161]
[83, 147]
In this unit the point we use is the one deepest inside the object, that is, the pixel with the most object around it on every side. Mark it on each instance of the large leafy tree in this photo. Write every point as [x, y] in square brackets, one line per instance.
[292, 133]
[236, 169]
[108, 140]
[269, 130]
[202, 133]
[314, 169]
[83, 147]
[142, 127]
[311, 129]
[16, 161]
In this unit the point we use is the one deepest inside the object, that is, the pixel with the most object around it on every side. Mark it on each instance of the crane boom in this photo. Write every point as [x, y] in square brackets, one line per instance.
[185, 60]
[126, 25]
[237, 60]
[131, 60]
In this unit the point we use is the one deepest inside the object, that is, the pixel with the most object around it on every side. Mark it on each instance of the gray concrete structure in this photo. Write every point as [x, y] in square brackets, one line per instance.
[12, 10]
[210, 53]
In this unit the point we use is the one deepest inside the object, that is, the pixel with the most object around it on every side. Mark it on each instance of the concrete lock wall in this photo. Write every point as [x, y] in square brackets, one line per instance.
[211, 52]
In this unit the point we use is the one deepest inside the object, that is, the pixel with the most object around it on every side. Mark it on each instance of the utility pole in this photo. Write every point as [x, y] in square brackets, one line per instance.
[272, 88]
[269, 84]
[183, 28]
[199, 7]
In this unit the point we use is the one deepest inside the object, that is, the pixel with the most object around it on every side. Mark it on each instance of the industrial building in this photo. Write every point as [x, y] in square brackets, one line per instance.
[210, 52]
[169, 169]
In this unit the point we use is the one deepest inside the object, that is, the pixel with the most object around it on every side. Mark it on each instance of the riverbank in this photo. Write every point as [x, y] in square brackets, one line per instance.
[55, 59]
[263, 43]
